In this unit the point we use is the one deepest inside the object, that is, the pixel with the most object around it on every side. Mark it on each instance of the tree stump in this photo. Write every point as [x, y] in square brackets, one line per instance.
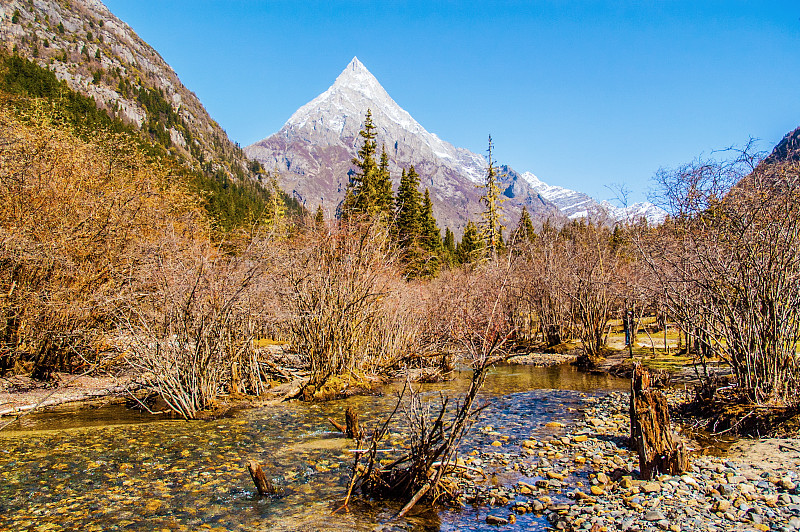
[263, 484]
[351, 419]
[660, 451]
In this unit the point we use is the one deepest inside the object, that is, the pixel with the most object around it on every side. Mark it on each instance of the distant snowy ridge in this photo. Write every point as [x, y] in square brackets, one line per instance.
[574, 204]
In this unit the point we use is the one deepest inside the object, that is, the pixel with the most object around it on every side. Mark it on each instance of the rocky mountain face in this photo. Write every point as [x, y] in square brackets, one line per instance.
[100, 56]
[788, 149]
[314, 149]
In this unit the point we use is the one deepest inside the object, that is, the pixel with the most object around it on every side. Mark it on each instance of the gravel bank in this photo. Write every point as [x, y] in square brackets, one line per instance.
[585, 478]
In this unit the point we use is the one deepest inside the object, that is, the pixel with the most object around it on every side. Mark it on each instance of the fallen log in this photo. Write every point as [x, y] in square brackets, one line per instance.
[660, 451]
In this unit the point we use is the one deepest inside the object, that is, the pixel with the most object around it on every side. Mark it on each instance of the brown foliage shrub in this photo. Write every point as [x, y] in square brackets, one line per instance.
[71, 213]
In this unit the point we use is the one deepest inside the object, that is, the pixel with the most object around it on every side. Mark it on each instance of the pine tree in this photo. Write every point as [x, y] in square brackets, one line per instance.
[319, 217]
[431, 238]
[449, 247]
[492, 227]
[408, 209]
[472, 247]
[525, 230]
[383, 186]
[360, 197]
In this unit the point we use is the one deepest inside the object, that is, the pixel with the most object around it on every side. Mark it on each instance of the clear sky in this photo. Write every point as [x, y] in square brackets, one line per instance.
[583, 94]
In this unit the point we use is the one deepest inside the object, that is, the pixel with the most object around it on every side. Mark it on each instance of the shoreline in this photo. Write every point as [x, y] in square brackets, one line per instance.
[584, 477]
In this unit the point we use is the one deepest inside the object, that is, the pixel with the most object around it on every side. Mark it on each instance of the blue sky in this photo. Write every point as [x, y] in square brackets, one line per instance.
[583, 94]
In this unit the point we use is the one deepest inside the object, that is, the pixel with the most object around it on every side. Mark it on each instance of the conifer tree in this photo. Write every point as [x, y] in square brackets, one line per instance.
[491, 199]
[472, 247]
[408, 209]
[360, 197]
[383, 186]
[319, 217]
[525, 230]
[431, 238]
[449, 247]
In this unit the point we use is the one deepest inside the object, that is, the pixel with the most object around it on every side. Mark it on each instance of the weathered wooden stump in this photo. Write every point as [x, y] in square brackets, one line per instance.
[263, 484]
[351, 419]
[660, 451]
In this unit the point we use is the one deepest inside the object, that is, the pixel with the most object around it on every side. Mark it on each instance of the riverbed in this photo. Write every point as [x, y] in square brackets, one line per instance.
[115, 469]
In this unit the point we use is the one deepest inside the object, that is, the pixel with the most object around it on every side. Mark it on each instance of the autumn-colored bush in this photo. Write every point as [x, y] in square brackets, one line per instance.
[351, 308]
[73, 214]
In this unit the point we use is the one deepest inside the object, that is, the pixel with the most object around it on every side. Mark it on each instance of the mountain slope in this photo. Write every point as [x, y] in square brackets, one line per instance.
[100, 56]
[788, 149]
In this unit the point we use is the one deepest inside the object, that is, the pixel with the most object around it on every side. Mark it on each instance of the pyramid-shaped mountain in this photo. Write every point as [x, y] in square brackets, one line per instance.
[314, 149]
[313, 152]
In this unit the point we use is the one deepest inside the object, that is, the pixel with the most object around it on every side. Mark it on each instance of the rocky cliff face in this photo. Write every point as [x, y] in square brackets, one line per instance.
[100, 56]
[314, 149]
[788, 149]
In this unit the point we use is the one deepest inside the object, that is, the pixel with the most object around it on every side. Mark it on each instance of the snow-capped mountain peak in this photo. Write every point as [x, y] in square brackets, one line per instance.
[314, 149]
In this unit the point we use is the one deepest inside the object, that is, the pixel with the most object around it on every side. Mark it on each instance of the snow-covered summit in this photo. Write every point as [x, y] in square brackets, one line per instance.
[314, 149]
[340, 111]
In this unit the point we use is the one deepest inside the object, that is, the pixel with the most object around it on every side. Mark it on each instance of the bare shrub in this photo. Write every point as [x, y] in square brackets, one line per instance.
[350, 312]
[480, 326]
[192, 321]
[729, 266]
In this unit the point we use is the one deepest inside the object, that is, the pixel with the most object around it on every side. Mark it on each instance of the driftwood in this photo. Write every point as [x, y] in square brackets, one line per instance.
[338, 426]
[660, 451]
[263, 484]
[351, 427]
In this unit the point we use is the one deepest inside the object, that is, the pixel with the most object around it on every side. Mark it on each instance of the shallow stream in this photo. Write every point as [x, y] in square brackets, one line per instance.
[113, 469]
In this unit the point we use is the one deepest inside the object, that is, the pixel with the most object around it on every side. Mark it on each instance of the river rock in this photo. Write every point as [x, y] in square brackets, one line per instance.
[496, 520]
[653, 515]
[651, 487]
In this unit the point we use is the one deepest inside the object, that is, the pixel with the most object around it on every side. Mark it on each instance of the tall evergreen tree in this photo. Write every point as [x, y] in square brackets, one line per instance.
[525, 230]
[383, 186]
[431, 238]
[319, 217]
[449, 247]
[472, 247]
[361, 194]
[491, 199]
[408, 209]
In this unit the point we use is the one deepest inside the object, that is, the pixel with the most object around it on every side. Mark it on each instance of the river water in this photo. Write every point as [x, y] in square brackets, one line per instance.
[114, 469]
